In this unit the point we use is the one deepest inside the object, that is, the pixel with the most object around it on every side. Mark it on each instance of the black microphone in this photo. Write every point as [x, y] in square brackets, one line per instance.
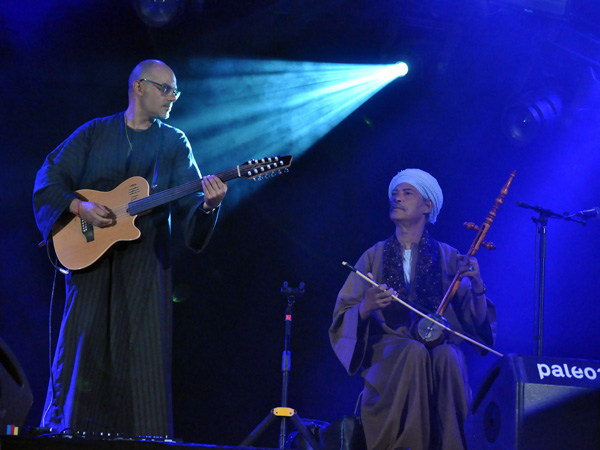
[589, 213]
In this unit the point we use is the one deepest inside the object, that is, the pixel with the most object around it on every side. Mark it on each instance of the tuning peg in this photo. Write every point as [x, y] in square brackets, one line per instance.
[488, 245]
[471, 226]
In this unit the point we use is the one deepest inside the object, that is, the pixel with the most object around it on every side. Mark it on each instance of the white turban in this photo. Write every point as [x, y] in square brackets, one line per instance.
[427, 186]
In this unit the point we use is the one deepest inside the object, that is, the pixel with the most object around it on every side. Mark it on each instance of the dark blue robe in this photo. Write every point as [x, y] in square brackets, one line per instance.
[112, 366]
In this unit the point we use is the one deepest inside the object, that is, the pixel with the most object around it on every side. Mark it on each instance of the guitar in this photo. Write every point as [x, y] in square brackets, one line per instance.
[78, 244]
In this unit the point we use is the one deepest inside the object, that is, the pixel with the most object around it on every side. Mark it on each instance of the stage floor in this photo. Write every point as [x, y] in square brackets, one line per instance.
[64, 443]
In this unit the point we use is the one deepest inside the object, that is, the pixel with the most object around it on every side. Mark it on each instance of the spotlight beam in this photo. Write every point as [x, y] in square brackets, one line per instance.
[245, 109]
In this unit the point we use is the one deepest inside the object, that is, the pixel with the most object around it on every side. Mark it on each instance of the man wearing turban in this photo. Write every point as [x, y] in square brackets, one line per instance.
[414, 397]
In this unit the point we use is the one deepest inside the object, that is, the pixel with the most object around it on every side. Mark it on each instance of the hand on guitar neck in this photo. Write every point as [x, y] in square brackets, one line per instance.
[214, 192]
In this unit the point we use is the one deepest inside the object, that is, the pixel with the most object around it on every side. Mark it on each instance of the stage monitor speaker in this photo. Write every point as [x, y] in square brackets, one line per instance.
[527, 402]
[15, 393]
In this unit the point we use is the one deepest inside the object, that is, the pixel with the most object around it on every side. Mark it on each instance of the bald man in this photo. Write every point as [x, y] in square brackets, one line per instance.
[112, 366]
[414, 397]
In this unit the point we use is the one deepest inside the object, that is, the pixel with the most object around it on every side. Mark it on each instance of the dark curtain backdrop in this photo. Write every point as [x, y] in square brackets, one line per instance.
[64, 63]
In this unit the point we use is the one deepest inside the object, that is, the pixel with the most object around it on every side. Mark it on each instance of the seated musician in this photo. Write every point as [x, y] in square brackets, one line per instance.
[414, 396]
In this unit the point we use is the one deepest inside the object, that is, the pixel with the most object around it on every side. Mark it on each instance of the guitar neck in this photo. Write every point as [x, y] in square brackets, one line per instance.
[169, 195]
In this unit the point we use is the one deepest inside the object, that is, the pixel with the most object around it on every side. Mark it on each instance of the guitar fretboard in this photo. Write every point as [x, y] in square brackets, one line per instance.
[169, 195]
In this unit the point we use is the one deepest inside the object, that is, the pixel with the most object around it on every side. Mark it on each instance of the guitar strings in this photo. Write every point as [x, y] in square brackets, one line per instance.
[150, 201]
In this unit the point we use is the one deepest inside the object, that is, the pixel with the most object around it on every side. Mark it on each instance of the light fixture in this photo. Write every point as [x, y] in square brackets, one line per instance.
[525, 120]
[158, 13]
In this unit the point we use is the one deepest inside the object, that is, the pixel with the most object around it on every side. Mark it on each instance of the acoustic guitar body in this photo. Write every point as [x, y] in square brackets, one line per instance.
[78, 244]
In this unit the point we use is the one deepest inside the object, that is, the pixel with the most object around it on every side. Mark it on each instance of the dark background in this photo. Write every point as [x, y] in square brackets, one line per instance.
[66, 62]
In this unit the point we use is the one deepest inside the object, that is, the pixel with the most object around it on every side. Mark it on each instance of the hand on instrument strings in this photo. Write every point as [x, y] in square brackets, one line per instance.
[376, 298]
[93, 213]
[469, 267]
[214, 192]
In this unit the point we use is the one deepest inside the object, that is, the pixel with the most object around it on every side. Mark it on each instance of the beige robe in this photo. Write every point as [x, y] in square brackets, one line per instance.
[414, 397]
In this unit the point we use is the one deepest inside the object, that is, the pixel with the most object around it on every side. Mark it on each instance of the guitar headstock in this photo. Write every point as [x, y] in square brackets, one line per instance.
[260, 169]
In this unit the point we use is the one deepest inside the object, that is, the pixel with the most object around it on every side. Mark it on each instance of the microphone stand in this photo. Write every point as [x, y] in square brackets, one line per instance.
[541, 223]
[283, 411]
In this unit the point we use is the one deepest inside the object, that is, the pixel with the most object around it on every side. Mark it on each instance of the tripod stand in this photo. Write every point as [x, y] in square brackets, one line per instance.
[283, 411]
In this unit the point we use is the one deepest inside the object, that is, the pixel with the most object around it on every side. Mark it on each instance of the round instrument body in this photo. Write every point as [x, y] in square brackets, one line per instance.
[430, 332]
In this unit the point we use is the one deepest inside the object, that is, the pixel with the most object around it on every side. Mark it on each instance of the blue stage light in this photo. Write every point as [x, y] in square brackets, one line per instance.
[239, 109]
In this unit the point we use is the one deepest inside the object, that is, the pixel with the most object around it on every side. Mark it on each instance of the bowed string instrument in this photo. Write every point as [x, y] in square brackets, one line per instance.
[429, 331]
[431, 328]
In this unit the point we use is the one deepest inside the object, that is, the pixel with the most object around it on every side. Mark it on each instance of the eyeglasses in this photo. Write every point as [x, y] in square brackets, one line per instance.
[165, 88]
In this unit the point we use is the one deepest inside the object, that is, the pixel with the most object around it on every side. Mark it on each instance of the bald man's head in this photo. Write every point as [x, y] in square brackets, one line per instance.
[146, 69]
[152, 90]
